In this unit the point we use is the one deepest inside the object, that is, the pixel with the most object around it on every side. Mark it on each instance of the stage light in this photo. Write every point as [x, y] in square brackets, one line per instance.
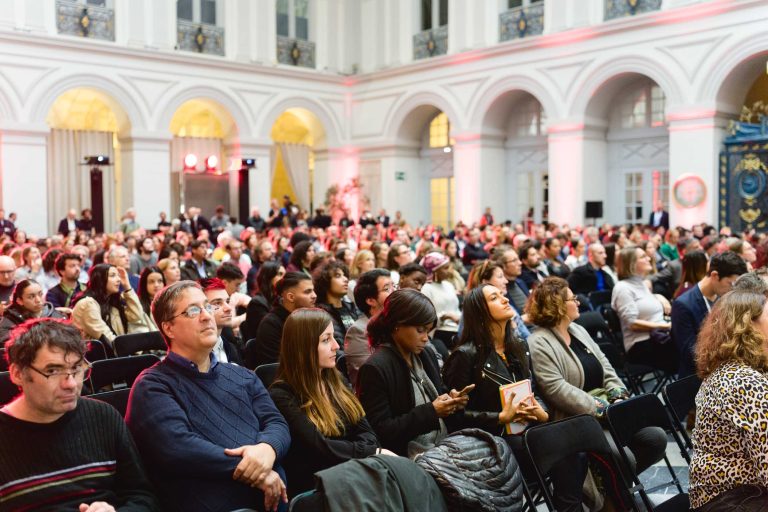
[248, 163]
[447, 149]
[211, 162]
[190, 162]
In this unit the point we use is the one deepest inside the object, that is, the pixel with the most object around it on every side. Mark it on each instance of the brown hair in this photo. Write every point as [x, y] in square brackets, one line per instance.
[480, 273]
[300, 369]
[547, 303]
[29, 337]
[627, 261]
[729, 333]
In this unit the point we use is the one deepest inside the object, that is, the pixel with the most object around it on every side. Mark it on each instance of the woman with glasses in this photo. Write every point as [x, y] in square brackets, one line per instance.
[27, 301]
[108, 307]
[642, 314]
[326, 421]
[400, 386]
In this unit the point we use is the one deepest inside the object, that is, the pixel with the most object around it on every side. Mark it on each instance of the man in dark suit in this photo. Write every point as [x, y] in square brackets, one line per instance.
[591, 277]
[691, 308]
[659, 218]
[198, 222]
[6, 226]
[68, 223]
[530, 257]
[198, 266]
[383, 218]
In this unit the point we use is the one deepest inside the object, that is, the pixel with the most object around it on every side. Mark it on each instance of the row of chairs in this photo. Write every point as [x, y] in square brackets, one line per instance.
[267, 372]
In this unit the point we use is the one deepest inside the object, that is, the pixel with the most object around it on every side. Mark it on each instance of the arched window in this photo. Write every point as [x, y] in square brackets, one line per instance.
[440, 132]
[643, 107]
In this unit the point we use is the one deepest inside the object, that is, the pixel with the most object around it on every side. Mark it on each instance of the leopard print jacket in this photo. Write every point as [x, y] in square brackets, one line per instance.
[730, 441]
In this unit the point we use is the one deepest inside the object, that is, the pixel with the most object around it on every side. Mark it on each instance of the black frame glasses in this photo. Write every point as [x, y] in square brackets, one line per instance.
[84, 371]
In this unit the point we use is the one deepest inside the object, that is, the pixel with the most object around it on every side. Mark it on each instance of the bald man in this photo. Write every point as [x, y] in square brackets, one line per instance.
[7, 271]
[591, 277]
[68, 224]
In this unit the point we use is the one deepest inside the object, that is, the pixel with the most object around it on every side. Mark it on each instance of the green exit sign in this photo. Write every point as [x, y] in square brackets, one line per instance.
[400, 176]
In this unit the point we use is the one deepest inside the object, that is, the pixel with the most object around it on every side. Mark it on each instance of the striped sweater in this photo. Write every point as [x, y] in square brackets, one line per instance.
[86, 455]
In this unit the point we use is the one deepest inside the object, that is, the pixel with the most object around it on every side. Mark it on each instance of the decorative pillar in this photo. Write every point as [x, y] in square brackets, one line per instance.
[24, 183]
[695, 141]
[145, 181]
[578, 171]
[480, 178]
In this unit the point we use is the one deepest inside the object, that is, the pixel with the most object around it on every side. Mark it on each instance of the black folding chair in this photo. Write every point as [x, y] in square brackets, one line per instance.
[8, 390]
[96, 351]
[267, 373]
[680, 397]
[119, 372]
[550, 443]
[117, 399]
[249, 354]
[131, 344]
[3, 362]
[599, 298]
[627, 418]
[584, 304]
[309, 501]
[341, 365]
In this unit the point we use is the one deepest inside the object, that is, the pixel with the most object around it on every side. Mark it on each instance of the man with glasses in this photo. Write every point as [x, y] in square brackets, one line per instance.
[372, 289]
[226, 349]
[60, 451]
[7, 282]
[208, 432]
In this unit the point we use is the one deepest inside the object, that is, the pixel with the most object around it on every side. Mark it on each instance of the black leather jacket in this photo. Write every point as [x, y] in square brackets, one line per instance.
[463, 368]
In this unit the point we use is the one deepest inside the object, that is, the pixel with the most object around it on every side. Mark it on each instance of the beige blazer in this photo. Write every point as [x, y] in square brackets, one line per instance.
[86, 315]
[559, 374]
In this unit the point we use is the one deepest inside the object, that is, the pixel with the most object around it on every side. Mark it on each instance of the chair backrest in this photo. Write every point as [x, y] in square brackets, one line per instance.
[594, 323]
[680, 395]
[3, 362]
[8, 390]
[584, 304]
[130, 344]
[96, 351]
[629, 416]
[599, 297]
[614, 324]
[120, 372]
[249, 354]
[341, 365]
[117, 399]
[267, 373]
[306, 502]
[549, 443]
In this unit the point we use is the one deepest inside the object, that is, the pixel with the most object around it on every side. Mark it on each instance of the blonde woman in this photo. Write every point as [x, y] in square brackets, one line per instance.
[363, 262]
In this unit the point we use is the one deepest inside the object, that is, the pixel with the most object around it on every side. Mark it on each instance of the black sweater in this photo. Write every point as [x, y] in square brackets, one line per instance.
[87, 455]
[311, 451]
[386, 392]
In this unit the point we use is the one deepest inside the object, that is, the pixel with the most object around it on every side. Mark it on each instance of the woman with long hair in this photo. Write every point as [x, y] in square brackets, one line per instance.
[104, 311]
[267, 277]
[694, 270]
[151, 281]
[741, 247]
[399, 386]
[326, 420]
[490, 355]
[490, 272]
[301, 258]
[363, 262]
[27, 301]
[728, 469]
[380, 251]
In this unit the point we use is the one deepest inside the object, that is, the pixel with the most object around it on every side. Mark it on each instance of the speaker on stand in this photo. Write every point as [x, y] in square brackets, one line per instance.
[593, 210]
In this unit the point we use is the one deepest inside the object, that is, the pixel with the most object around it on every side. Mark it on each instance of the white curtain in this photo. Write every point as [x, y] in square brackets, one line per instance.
[296, 160]
[69, 182]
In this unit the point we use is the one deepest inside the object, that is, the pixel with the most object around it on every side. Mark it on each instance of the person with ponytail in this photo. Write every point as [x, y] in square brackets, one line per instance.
[104, 311]
[326, 421]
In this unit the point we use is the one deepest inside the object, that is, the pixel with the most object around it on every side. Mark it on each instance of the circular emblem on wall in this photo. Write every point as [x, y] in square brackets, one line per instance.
[689, 191]
[750, 179]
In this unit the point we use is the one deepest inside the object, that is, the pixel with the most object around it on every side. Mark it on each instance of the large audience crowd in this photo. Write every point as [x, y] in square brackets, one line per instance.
[378, 340]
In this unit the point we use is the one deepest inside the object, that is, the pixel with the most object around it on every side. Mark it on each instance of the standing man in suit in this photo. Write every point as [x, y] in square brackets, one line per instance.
[68, 223]
[659, 217]
[690, 308]
[198, 222]
[6, 226]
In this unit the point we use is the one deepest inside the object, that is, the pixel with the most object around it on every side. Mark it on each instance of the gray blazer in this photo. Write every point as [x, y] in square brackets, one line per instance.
[559, 373]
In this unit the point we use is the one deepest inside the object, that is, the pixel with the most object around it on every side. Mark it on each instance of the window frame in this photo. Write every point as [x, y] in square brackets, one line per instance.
[438, 8]
[197, 12]
[292, 20]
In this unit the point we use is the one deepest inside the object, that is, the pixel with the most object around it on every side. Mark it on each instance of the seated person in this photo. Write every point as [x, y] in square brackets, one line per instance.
[373, 288]
[400, 386]
[591, 277]
[729, 470]
[208, 432]
[67, 266]
[226, 349]
[50, 465]
[27, 302]
[413, 276]
[332, 285]
[266, 278]
[569, 365]
[326, 420]
[295, 290]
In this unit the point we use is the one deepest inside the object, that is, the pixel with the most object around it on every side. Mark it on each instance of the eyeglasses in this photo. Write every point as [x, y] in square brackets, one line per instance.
[194, 311]
[82, 372]
[7, 272]
[573, 299]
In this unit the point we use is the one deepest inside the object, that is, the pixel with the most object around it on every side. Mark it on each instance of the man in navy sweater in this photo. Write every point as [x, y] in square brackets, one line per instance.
[208, 432]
